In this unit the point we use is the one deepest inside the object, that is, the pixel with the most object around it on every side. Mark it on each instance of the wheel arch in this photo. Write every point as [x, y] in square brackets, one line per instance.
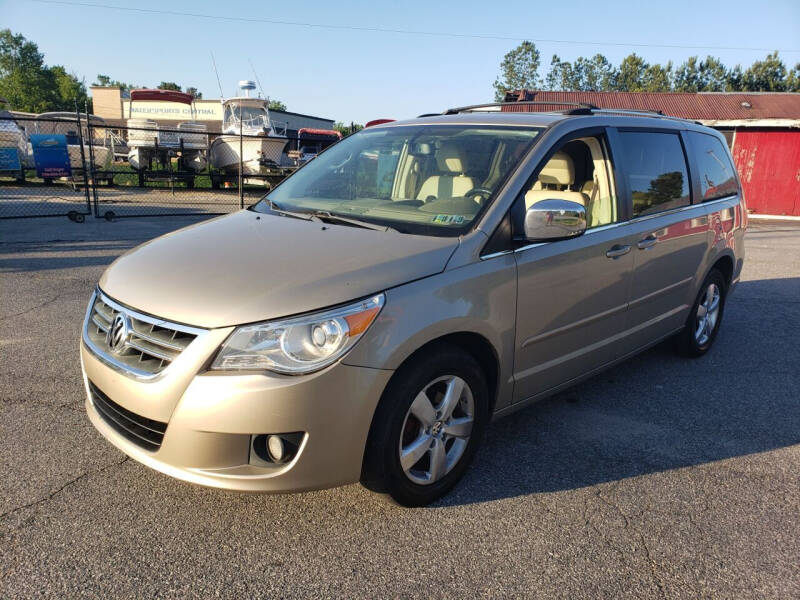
[480, 348]
[725, 265]
[477, 345]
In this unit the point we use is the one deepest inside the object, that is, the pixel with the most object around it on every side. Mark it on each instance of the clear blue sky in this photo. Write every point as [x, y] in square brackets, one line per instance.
[361, 75]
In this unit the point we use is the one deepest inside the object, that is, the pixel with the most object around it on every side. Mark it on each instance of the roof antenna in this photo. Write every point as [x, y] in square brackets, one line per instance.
[260, 89]
[214, 62]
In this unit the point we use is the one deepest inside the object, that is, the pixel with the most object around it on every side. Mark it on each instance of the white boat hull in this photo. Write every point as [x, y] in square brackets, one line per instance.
[139, 157]
[102, 156]
[145, 139]
[12, 137]
[258, 153]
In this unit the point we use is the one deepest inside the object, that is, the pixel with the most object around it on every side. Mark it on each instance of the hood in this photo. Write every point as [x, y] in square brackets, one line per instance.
[250, 267]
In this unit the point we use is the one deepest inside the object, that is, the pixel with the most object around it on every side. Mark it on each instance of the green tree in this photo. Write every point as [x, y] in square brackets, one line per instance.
[768, 75]
[346, 130]
[68, 90]
[734, 79]
[585, 74]
[196, 94]
[657, 78]
[597, 74]
[28, 84]
[560, 76]
[106, 81]
[169, 85]
[24, 80]
[631, 74]
[277, 105]
[518, 70]
[793, 79]
[714, 75]
[687, 76]
[696, 75]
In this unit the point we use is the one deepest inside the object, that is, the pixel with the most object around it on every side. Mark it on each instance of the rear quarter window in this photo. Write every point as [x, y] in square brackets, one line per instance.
[714, 167]
[655, 168]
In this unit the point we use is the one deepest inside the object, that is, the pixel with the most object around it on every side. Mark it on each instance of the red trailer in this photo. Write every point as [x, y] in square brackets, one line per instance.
[768, 161]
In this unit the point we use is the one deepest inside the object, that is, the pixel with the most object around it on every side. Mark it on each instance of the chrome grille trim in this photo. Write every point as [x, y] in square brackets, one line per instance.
[152, 344]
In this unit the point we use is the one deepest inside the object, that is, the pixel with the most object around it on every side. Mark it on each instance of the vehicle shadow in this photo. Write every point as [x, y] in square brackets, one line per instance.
[657, 411]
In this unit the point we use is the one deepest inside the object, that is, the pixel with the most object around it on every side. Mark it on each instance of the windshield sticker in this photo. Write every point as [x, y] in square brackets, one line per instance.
[449, 219]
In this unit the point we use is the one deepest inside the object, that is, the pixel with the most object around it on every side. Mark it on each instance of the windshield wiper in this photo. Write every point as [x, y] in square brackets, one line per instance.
[289, 213]
[325, 215]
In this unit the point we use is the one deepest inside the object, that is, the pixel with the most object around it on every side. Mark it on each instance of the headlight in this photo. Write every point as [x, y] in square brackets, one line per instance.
[299, 345]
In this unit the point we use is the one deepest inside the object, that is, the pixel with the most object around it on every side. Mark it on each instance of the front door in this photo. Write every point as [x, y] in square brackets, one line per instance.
[572, 294]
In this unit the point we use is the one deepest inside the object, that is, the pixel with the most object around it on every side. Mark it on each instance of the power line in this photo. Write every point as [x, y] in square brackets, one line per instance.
[483, 36]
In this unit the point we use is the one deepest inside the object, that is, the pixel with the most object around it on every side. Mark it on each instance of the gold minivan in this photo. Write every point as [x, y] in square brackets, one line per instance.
[367, 318]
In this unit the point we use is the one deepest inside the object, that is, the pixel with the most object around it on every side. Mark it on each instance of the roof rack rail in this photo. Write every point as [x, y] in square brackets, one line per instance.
[497, 105]
[638, 112]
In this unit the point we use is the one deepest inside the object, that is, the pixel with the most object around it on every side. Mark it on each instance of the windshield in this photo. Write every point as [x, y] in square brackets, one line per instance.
[253, 117]
[418, 179]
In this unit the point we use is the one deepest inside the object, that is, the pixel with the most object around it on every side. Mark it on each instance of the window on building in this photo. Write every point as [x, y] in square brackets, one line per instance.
[728, 133]
[656, 171]
[714, 166]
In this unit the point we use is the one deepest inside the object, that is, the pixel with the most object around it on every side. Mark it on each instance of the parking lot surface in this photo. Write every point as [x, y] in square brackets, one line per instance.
[663, 477]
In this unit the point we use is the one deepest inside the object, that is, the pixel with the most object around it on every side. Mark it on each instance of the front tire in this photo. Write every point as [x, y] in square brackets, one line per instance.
[427, 427]
[705, 317]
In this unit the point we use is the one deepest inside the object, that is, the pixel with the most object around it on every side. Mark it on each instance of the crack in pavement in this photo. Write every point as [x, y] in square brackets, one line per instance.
[654, 566]
[54, 493]
[25, 312]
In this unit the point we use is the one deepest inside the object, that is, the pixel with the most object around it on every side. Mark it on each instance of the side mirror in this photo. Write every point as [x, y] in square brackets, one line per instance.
[549, 220]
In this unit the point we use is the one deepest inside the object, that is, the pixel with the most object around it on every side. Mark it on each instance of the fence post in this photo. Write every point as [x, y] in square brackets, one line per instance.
[241, 160]
[92, 164]
[83, 157]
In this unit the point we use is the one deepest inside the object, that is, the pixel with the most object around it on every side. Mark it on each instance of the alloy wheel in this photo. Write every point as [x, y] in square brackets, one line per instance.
[436, 429]
[707, 314]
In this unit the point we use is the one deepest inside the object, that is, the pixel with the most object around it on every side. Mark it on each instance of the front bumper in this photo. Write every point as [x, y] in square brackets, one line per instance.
[211, 417]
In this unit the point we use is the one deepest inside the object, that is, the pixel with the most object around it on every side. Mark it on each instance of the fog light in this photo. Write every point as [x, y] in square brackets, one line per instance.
[271, 449]
[276, 449]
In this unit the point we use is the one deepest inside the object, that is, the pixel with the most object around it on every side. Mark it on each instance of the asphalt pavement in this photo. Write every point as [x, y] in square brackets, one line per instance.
[663, 477]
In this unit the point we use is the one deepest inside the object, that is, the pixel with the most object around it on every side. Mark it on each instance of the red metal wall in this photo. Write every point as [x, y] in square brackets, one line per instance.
[768, 161]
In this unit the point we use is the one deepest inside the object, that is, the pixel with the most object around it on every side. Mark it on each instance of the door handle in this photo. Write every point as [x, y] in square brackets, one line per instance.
[648, 242]
[617, 251]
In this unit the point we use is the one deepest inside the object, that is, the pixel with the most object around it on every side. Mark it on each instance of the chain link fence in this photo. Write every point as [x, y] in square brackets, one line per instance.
[30, 191]
[76, 165]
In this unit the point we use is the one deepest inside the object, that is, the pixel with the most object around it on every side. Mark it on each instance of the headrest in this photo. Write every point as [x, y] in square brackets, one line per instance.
[559, 170]
[451, 157]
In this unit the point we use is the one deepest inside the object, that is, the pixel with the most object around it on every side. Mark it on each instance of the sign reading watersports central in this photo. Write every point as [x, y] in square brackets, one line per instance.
[210, 110]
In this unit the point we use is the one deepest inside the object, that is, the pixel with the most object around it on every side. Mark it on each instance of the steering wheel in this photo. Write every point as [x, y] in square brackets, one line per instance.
[479, 191]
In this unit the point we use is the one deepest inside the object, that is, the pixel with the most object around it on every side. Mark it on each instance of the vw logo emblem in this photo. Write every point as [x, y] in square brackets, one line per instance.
[117, 335]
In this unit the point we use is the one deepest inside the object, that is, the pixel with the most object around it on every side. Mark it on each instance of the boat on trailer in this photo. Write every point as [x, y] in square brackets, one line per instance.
[147, 141]
[93, 132]
[246, 126]
[13, 146]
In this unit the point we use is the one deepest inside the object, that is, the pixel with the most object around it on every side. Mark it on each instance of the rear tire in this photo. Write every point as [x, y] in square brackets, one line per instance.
[427, 427]
[705, 317]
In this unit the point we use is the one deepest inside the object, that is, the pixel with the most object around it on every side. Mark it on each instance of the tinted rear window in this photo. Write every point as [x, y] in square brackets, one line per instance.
[715, 170]
[655, 168]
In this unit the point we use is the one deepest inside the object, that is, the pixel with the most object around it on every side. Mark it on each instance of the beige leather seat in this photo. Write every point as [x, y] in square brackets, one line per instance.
[450, 159]
[557, 175]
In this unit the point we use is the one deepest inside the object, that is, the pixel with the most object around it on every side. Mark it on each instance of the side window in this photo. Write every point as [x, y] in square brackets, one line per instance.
[579, 171]
[655, 170]
[714, 167]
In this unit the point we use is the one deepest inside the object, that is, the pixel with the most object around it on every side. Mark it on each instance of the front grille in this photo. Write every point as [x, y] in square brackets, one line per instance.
[150, 344]
[142, 431]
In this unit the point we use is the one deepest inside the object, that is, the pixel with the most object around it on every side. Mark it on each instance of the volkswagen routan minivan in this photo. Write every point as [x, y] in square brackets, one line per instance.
[368, 317]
